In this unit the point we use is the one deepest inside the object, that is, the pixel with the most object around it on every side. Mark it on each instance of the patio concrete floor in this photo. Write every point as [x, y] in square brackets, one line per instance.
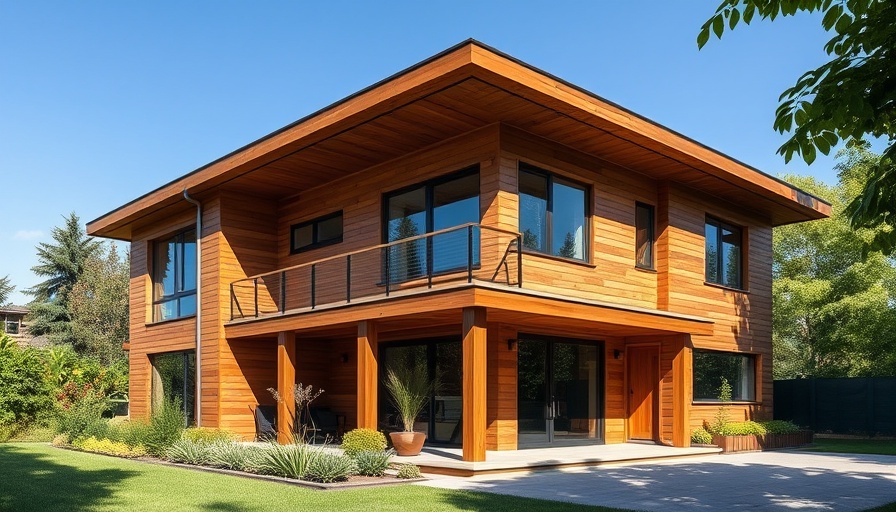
[449, 460]
[775, 480]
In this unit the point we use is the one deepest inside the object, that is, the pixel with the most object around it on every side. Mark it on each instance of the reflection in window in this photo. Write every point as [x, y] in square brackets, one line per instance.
[711, 367]
[317, 233]
[174, 380]
[174, 276]
[644, 235]
[427, 208]
[552, 214]
[724, 263]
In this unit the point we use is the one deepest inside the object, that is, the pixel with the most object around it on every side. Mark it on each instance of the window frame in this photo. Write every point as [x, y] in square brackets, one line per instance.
[315, 233]
[549, 213]
[742, 274]
[188, 386]
[651, 236]
[756, 377]
[177, 238]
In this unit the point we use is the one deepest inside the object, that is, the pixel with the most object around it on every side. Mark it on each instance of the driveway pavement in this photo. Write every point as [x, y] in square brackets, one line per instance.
[777, 480]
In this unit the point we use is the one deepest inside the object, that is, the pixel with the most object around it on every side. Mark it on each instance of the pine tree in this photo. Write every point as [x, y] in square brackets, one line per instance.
[62, 262]
[6, 288]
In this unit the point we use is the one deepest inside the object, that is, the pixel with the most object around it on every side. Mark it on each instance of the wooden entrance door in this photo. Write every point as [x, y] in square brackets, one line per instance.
[643, 394]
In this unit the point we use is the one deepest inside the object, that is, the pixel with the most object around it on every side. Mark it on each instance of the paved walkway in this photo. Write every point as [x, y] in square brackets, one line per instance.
[778, 480]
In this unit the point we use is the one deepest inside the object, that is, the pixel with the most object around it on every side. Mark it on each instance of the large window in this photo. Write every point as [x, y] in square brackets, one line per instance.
[174, 380]
[552, 214]
[426, 208]
[174, 277]
[644, 235]
[316, 233]
[711, 367]
[724, 253]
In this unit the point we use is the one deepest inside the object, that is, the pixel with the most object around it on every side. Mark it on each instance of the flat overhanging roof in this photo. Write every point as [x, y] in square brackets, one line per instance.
[464, 88]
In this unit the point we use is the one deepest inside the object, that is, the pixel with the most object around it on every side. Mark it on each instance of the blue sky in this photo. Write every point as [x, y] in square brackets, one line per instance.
[102, 101]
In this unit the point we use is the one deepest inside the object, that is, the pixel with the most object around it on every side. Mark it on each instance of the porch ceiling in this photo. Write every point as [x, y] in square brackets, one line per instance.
[437, 311]
[463, 89]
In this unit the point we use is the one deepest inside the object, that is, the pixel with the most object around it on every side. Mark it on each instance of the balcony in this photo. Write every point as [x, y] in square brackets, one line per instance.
[457, 255]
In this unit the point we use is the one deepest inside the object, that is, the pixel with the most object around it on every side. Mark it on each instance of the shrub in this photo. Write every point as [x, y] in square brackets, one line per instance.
[780, 427]
[92, 444]
[84, 418]
[232, 455]
[24, 389]
[290, 461]
[165, 427]
[741, 428]
[129, 432]
[189, 452]
[363, 440]
[330, 467]
[207, 435]
[60, 440]
[701, 436]
[408, 471]
[373, 463]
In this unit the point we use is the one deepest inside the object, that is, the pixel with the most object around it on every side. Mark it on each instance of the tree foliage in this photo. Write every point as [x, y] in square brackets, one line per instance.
[833, 310]
[6, 288]
[98, 303]
[848, 98]
[62, 262]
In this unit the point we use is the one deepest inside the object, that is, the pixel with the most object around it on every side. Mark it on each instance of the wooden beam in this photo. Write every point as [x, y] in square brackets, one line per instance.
[367, 374]
[681, 392]
[474, 384]
[286, 381]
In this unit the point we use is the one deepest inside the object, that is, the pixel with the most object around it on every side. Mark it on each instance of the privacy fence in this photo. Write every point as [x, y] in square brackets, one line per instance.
[865, 406]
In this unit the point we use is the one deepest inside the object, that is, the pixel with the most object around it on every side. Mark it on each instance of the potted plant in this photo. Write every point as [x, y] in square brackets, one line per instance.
[409, 391]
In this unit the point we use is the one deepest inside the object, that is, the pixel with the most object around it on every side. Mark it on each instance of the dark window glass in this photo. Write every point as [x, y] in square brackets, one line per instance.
[433, 206]
[711, 367]
[724, 254]
[316, 233]
[552, 214]
[644, 235]
[174, 380]
[174, 277]
[12, 327]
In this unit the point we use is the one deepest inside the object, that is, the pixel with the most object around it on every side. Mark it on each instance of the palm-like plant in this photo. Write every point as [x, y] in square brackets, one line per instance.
[409, 391]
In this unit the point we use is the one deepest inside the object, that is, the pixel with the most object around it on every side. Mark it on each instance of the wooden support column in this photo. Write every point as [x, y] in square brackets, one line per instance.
[286, 381]
[367, 375]
[681, 392]
[474, 384]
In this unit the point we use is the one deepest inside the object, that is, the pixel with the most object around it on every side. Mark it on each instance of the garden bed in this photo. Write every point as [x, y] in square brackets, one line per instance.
[759, 442]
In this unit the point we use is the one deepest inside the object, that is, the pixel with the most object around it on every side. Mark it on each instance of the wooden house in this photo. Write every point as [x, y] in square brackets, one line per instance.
[575, 273]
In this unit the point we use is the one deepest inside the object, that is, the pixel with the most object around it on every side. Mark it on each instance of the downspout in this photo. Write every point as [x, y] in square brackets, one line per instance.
[198, 306]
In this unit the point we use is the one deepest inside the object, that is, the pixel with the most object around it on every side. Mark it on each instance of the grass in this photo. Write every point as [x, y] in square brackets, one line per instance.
[39, 477]
[866, 446]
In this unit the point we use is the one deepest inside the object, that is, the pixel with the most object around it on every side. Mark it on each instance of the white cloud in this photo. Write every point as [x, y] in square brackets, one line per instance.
[28, 235]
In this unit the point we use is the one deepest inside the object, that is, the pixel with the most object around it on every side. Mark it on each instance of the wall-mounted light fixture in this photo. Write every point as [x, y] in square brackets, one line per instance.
[511, 344]
[344, 357]
[617, 354]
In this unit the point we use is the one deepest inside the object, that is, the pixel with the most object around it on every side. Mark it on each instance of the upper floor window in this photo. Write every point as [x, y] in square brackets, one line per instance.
[552, 214]
[316, 233]
[644, 235]
[432, 206]
[724, 253]
[174, 276]
[738, 370]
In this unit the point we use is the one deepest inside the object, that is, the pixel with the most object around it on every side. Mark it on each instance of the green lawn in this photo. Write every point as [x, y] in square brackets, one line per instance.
[869, 446]
[39, 477]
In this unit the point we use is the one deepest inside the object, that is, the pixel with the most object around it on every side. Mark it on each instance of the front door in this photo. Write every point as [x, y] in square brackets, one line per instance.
[558, 391]
[643, 381]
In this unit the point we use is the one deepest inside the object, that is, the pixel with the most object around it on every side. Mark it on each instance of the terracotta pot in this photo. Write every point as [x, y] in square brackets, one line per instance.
[407, 443]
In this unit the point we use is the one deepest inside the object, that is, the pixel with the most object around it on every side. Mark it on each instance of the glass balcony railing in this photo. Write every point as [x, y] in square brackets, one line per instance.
[465, 253]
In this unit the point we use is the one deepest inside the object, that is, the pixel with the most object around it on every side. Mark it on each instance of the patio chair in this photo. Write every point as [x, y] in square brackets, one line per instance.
[324, 425]
[265, 422]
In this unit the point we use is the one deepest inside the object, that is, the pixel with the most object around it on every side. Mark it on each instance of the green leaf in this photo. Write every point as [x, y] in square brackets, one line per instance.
[749, 10]
[831, 17]
[800, 117]
[843, 23]
[733, 19]
[822, 145]
[808, 151]
[718, 25]
[703, 37]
